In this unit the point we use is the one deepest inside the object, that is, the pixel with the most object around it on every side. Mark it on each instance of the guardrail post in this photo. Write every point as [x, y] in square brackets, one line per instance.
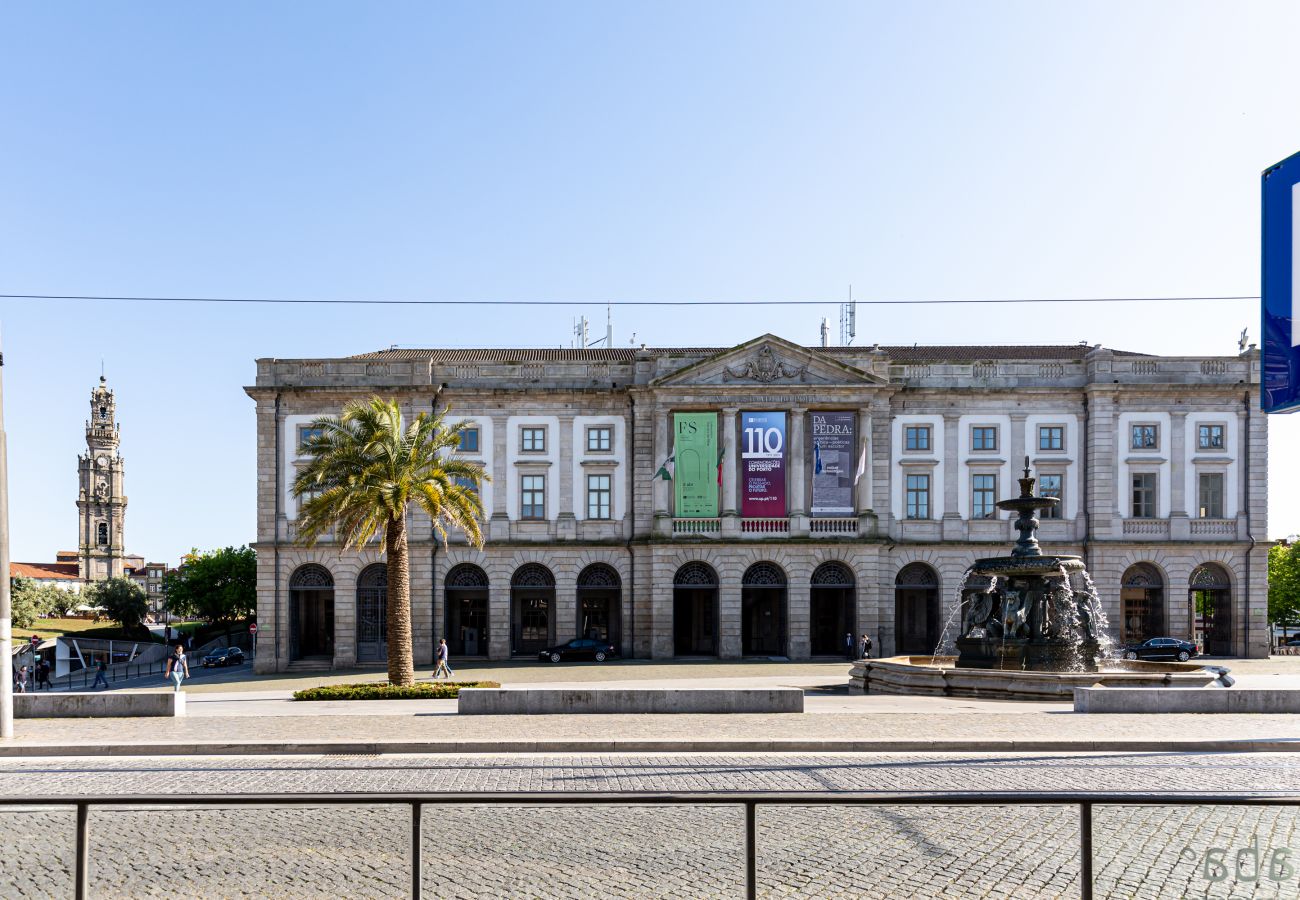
[81, 887]
[751, 852]
[1085, 851]
[417, 873]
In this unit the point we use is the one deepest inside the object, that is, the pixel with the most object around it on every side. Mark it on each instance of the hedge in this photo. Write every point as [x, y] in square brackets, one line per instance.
[382, 690]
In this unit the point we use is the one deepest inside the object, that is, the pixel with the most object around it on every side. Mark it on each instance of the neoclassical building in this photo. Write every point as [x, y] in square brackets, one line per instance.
[770, 499]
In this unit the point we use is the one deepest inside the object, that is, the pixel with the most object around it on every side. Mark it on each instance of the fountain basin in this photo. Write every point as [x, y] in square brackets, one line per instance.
[940, 676]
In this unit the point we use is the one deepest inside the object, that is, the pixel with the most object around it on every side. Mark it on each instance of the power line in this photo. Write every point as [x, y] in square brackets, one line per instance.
[607, 302]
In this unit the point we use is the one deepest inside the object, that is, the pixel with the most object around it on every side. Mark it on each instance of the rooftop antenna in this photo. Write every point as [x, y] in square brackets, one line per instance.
[848, 320]
[826, 332]
[580, 333]
[609, 323]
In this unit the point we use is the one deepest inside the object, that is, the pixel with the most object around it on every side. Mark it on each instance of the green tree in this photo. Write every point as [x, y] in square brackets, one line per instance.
[1284, 586]
[121, 599]
[29, 601]
[218, 587]
[364, 470]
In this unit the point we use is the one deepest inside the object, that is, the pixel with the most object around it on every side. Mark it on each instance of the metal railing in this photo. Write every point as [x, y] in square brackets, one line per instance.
[750, 801]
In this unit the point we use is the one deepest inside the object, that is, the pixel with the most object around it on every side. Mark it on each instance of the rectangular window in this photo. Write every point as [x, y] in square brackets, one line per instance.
[1211, 499]
[917, 437]
[918, 496]
[1144, 495]
[1050, 486]
[598, 496]
[1146, 437]
[600, 439]
[468, 484]
[306, 433]
[533, 440]
[984, 437]
[1051, 437]
[983, 491]
[1210, 437]
[469, 440]
[533, 497]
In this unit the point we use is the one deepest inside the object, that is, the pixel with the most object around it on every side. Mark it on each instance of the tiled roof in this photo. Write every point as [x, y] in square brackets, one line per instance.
[628, 354]
[44, 570]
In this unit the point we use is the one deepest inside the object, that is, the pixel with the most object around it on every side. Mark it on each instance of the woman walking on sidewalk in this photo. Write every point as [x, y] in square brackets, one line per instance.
[178, 667]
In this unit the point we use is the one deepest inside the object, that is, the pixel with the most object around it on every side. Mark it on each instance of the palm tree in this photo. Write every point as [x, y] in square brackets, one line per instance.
[366, 468]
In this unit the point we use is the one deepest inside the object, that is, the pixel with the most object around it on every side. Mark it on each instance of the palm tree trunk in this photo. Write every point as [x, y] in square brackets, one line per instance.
[401, 663]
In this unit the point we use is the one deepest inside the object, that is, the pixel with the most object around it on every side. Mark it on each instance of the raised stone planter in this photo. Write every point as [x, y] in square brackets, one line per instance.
[551, 701]
[105, 704]
[936, 675]
[1146, 700]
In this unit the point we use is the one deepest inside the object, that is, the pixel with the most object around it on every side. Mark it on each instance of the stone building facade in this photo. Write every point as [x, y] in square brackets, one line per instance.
[1160, 464]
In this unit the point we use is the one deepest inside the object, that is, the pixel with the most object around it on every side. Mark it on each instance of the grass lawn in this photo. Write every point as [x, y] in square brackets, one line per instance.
[89, 628]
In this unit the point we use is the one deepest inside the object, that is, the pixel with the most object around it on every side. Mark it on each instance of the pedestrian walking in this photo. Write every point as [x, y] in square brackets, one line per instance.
[864, 647]
[101, 668]
[43, 674]
[178, 667]
[443, 667]
[848, 644]
[20, 680]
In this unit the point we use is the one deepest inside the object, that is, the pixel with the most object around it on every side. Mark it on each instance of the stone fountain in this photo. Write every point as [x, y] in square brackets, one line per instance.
[1032, 628]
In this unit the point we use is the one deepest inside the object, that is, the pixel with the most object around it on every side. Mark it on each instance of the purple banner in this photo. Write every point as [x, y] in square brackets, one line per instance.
[762, 457]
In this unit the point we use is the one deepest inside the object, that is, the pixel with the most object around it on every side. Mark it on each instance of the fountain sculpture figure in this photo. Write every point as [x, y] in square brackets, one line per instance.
[1029, 611]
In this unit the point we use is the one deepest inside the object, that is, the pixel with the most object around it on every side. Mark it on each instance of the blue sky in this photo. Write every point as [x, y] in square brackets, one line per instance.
[575, 151]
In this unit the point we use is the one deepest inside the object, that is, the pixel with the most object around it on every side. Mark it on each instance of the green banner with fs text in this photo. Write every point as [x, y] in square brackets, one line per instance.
[695, 476]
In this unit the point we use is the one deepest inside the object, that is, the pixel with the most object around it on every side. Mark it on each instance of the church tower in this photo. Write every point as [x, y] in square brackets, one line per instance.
[101, 504]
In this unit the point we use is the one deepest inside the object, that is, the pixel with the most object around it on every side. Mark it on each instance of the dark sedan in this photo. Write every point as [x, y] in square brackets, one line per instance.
[582, 648]
[225, 656]
[1160, 648]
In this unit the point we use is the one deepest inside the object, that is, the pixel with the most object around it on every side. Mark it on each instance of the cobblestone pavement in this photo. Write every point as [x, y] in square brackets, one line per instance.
[608, 851]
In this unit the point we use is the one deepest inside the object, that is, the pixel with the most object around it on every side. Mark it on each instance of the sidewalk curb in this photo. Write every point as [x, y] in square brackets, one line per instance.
[369, 748]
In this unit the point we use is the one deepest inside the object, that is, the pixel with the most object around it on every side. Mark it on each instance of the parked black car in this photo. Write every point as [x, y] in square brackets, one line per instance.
[582, 648]
[1160, 648]
[224, 656]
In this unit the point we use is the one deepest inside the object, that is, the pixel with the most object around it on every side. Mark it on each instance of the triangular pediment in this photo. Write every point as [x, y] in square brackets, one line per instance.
[768, 360]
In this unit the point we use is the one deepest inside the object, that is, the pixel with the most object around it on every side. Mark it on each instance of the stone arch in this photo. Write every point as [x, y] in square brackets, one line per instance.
[1142, 600]
[1210, 598]
[466, 618]
[311, 612]
[532, 607]
[372, 613]
[695, 609]
[832, 608]
[916, 608]
[764, 610]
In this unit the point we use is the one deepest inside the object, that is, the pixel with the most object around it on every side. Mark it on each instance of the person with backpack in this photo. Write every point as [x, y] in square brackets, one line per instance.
[864, 647]
[178, 667]
[443, 666]
[101, 668]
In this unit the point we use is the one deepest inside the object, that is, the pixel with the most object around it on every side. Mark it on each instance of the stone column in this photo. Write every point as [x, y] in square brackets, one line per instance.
[566, 526]
[1100, 480]
[798, 468]
[864, 500]
[499, 526]
[345, 615]
[730, 461]
[880, 467]
[798, 637]
[952, 520]
[663, 521]
[1180, 526]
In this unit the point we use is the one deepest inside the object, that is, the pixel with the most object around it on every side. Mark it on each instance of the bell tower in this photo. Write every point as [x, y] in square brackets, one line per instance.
[101, 503]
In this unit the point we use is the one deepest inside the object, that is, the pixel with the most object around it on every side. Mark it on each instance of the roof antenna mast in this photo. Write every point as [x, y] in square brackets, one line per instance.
[848, 320]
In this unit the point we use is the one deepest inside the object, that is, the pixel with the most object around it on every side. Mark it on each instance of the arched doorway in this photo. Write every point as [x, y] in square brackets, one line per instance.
[466, 610]
[372, 613]
[1142, 604]
[1210, 596]
[763, 610]
[311, 611]
[830, 612]
[695, 611]
[532, 598]
[916, 609]
[599, 599]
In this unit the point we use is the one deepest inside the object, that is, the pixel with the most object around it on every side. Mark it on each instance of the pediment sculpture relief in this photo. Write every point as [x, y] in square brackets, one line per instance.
[765, 368]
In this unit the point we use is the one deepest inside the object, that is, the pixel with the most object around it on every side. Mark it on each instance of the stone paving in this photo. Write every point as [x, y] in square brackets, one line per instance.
[607, 851]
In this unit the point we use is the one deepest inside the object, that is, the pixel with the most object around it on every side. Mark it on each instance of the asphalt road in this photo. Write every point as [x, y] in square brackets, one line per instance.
[610, 851]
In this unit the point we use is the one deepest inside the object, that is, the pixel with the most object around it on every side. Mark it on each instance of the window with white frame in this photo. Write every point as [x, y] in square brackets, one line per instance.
[307, 433]
[532, 497]
[599, 494]
[984, 437]
[1051, 437]
[918, 496]
[1209, 437]
[1144, 495]
[983, 493]
[1211, 495]
[600, 439]
[469, 440]
[532, 439]
[1050, 486]
[1145, 437]
[916, 437]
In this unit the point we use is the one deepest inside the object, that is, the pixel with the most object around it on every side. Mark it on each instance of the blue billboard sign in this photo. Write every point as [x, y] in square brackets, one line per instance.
[1280, 286]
